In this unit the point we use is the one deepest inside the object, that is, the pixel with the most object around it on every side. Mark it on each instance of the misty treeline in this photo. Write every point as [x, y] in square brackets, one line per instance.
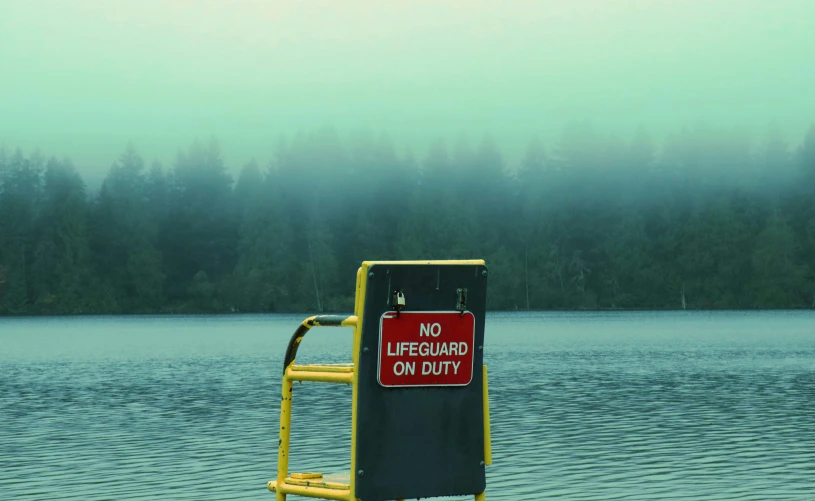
[709, 220]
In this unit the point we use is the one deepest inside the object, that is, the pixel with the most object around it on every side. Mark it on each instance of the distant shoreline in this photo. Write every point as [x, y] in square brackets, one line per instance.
[308, 314]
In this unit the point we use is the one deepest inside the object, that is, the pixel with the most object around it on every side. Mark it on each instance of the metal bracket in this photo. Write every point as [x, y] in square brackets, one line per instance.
[461, 295]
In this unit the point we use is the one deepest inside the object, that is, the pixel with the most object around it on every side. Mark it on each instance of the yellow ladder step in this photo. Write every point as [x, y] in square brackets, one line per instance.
[325, 373]
[324, 368]
[306, 475]
[311, 485]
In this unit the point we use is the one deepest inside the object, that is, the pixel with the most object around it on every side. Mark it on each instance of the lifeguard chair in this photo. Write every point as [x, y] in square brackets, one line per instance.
[420, 413]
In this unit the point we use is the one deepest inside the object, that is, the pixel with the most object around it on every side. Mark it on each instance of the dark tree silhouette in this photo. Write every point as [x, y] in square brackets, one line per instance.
[706, 220]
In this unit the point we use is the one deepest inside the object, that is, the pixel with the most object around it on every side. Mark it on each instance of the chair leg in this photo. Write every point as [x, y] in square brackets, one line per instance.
[285, 434]
[482, 496]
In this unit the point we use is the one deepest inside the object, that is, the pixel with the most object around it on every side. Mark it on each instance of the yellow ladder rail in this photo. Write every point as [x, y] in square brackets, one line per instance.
[317, 373]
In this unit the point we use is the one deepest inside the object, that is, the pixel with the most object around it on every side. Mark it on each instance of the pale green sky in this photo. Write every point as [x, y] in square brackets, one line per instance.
[82, 78]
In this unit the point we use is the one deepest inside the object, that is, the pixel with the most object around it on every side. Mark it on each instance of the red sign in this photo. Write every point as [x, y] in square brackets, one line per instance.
[423, 348]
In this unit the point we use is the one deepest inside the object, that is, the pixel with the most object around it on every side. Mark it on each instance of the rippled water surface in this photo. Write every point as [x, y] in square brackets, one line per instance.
[584, 406]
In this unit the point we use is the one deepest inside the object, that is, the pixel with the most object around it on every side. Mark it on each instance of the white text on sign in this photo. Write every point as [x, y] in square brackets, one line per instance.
[416, 352]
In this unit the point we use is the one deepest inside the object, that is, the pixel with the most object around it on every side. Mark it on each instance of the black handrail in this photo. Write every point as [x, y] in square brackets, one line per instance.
[318, 320]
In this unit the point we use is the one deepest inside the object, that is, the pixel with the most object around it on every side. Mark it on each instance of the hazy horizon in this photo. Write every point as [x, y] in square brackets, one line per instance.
[83, 79]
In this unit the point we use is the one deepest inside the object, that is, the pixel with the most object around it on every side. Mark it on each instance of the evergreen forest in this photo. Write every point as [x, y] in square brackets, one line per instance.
[706, 219]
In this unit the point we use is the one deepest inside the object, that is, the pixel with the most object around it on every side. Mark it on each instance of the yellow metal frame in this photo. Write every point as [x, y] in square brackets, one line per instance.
[312, 484]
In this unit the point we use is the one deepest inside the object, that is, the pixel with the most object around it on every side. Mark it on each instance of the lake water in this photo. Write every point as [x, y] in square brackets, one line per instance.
[584, 406]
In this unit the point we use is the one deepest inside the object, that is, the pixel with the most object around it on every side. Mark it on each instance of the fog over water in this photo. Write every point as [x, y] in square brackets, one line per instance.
[82, 78]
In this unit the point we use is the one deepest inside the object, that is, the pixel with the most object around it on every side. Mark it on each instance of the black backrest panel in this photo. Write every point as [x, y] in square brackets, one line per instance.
[419, 442]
